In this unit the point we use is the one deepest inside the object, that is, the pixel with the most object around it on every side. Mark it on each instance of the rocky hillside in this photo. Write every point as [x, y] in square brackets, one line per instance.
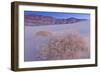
[47, 20]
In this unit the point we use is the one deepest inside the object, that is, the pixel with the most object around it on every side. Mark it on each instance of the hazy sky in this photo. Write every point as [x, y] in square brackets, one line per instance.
[59, 14]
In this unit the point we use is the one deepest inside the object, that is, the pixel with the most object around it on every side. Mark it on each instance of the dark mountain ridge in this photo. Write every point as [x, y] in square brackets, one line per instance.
[47, 20]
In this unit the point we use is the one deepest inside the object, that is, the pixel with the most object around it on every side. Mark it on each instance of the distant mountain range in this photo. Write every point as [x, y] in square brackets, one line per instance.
[34, 19]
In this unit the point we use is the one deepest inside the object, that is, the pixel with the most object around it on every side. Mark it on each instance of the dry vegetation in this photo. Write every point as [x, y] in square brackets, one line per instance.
[44, 33]
[68, 46]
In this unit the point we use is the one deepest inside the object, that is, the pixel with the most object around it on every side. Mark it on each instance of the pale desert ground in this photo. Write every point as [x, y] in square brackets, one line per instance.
[36, 40]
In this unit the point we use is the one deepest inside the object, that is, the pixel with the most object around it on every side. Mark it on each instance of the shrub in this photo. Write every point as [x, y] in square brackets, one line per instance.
[44, 33]
[71, 45]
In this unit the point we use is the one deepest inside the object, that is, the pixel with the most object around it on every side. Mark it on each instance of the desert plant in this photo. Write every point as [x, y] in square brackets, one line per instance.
[44, 33]
[71, 45]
